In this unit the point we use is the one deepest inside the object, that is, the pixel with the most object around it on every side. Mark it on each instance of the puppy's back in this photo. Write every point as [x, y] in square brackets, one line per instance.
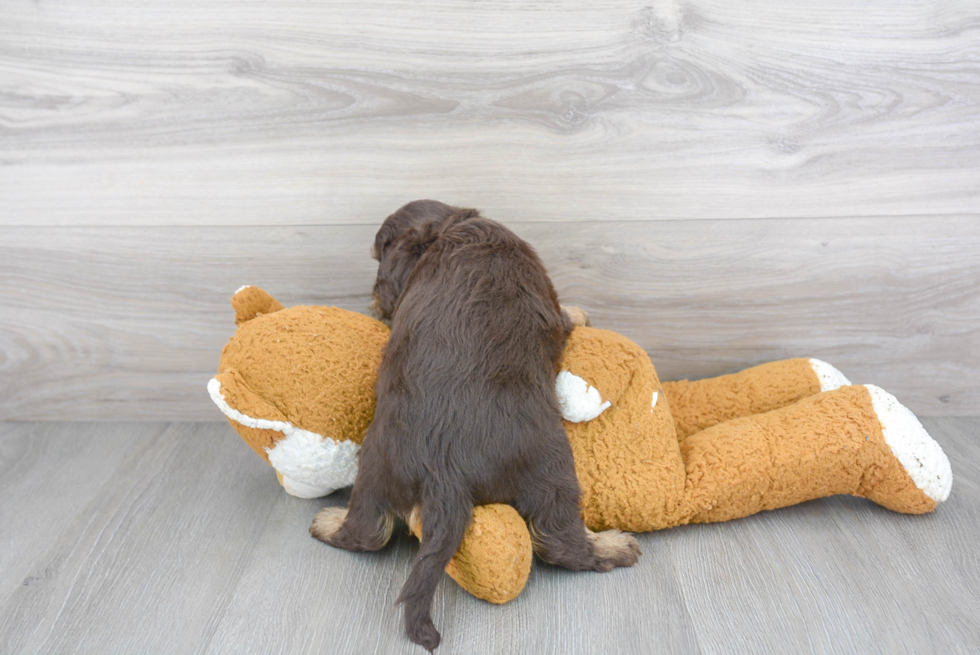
[466, 403]
[480, 303]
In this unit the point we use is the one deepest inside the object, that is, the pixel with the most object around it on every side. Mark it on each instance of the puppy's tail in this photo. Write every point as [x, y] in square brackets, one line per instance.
[444, 522]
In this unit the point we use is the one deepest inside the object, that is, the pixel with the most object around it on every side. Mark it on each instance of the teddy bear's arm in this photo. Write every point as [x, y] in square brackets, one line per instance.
[597, 368]
[703, 403]
[578, 400]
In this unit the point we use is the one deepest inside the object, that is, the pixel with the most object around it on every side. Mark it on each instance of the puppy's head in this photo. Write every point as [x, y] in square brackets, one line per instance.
[400, 243]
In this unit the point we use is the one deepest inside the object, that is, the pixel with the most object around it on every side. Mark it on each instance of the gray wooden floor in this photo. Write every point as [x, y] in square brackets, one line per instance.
[174, 537]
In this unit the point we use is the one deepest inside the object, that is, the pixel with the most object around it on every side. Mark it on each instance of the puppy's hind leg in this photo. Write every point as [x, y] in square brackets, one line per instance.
[363, 525]
[560, 537]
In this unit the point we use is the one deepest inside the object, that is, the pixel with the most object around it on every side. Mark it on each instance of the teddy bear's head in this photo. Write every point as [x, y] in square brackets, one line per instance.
[298, 385]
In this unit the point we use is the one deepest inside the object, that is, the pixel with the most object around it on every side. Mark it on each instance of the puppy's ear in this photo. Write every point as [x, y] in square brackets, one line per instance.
[420, 237]
[398, 260]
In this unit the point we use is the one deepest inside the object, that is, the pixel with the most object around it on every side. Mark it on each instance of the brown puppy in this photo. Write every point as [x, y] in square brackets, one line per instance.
[466, 407]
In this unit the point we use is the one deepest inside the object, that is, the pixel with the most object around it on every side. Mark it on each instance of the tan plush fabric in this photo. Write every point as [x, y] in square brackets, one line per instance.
[760, 439]
[627, 459]
[249, 302]
[703, 403]
[314, 367]
[494, 560]
[827, 444]
[239, 396]
[636, 476]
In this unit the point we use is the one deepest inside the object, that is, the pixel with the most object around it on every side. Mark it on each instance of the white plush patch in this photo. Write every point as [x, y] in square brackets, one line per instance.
[654, 403]
[922, 457]
[311, 464]
[300, 490]
[240, 289]
[579, 402]
[830, 377]
[314, 465]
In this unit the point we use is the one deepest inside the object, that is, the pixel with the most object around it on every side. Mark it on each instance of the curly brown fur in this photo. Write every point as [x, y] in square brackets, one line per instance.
[466, 408]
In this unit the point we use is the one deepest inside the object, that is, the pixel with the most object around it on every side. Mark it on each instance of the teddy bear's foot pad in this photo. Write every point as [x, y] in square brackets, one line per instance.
[830, 378]
[922, 458]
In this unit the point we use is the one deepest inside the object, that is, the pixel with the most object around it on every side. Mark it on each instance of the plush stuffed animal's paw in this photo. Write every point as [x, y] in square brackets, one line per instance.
[921, 457]
[613, 548]
[494, 559]
[830, 378]
[579, 402]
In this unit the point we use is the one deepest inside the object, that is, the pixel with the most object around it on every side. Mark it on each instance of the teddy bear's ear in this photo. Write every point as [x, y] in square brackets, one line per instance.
[250, 302]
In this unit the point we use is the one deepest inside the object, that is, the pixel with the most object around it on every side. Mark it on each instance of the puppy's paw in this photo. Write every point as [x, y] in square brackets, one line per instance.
[613, 548]
[327, 522]
[577, 315]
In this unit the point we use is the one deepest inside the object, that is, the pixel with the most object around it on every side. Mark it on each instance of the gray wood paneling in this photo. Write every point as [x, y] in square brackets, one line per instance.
[304, 112]
[128, 323]
[181, 540]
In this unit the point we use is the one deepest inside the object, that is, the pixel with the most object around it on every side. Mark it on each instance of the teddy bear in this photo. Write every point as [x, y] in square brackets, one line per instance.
[297, 385]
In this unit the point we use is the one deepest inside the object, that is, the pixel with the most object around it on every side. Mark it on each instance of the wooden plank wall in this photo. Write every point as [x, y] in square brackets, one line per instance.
[726, 183]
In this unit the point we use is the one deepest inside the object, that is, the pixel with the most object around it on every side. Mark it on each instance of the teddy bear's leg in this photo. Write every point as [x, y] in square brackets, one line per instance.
[700, 404]
[855, 440]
